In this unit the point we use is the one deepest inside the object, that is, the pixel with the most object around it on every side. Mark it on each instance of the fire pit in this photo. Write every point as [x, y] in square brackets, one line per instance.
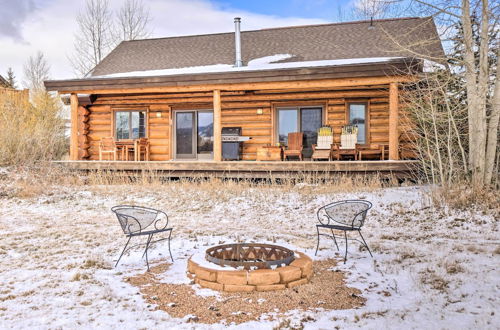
[250, 256]
[246, 267]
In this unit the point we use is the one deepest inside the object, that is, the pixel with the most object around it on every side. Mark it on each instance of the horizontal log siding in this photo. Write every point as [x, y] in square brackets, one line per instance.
[99, 127]
[239, 109]
[159, 132]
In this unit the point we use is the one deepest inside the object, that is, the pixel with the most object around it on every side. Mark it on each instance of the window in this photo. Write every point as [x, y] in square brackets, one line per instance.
[130, 124]
[307, 120]
[357, 116]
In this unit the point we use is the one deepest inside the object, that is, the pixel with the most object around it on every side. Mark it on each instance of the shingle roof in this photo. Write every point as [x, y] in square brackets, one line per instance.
[3, 82]
[405, 37]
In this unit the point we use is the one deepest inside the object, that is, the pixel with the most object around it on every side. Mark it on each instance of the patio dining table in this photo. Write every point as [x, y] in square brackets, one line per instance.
[125, 147]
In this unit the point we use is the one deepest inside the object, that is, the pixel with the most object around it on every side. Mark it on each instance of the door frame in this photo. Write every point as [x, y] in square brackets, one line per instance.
[196, 156]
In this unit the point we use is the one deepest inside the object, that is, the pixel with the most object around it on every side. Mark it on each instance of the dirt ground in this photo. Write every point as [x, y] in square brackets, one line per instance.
[327, 290]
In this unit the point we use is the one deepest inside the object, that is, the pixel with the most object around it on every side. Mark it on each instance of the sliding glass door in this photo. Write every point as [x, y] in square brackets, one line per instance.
[307, 120]
[193, 134]
[184, 138]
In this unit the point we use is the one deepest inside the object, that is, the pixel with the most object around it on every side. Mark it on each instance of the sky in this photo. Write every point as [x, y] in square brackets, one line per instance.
[28, 26]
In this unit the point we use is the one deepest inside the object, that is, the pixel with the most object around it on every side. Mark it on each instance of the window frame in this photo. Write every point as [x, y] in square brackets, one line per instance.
[366, 103]
[129, 110]
[298, 108]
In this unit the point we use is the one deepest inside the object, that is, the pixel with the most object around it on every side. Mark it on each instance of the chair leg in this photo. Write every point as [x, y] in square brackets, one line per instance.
[345, 256]
[317, 245]
[169, 251]
[335, 240]
[123, 251]
[146, 250]
[366, 245]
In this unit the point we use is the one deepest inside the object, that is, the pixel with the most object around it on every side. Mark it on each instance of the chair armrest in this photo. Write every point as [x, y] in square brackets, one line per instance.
[161, 217]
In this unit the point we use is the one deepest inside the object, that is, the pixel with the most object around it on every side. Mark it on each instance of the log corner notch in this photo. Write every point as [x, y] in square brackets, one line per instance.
[393, 121]
[73, 144]
[217, 126]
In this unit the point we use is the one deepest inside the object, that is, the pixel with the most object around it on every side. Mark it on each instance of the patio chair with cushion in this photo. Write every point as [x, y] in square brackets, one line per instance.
[323, 148]
[348, 215]
[295, 145]
[142, 221]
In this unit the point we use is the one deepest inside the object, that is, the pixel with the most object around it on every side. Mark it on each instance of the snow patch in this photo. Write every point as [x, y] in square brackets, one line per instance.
[263, 63]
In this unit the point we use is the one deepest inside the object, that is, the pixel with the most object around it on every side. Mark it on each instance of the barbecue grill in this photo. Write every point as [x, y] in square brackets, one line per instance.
[231, 143]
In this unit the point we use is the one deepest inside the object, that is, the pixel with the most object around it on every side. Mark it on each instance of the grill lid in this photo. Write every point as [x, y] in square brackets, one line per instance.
[236, 131]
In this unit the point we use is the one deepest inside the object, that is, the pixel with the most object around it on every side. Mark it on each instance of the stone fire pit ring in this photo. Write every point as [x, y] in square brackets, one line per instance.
[250, 255]
[216, 277]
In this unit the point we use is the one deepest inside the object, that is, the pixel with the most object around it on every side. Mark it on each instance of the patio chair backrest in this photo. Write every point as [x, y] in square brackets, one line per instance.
[349, 137]
[295, 141]
[143, 141]
[325, 138]
[349, 212]
[135, 219]
[107, 143]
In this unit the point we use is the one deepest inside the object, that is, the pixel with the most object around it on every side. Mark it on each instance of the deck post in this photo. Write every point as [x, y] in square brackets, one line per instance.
[73, 144]
[393, 121]
[217, 126]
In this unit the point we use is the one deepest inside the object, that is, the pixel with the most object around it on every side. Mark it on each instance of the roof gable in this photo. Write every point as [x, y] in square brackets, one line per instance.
[388, 38]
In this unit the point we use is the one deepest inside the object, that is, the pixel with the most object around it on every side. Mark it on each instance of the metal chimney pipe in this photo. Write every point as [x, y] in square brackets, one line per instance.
[237, 42]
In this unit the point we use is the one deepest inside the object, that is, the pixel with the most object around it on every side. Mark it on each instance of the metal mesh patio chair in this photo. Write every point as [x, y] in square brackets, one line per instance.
[142, 221]
[348, 215]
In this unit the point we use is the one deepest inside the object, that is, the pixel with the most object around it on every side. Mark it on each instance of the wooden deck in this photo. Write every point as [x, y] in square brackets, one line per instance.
[249, 169]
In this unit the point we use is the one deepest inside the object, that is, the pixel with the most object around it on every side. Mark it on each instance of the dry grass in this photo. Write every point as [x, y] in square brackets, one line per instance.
[32, 181]
[464, 196]
[32, 130]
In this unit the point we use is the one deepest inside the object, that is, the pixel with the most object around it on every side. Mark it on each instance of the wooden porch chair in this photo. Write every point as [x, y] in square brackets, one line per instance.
[142, 148]
[377, 150]
[295, 145]
[107, 145]
[323, 148]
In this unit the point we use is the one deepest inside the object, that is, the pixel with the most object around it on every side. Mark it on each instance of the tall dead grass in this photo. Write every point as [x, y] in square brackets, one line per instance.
[31, 130]
[27, 182]
[304, 182]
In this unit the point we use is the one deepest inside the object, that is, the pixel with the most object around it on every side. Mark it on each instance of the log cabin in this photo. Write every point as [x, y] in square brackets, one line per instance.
[182, 92]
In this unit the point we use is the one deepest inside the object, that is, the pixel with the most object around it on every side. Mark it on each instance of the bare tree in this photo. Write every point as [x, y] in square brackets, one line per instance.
[133, 20]
[366, 9]
[95, 37]
[36, 70]
[476, 65]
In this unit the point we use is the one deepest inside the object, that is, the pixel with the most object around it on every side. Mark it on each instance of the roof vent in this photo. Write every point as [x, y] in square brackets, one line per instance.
[237, 42]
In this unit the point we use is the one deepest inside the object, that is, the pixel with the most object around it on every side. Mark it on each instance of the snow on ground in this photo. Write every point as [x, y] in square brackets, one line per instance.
[432, 268]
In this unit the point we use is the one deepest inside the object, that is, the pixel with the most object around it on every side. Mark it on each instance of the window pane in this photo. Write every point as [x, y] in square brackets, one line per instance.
[135, 124]
[184, 133]
[138, 124]
[205, 132]
[310, 122]
[287, 123]
[357, 114]
[122, 125]
[142, 124]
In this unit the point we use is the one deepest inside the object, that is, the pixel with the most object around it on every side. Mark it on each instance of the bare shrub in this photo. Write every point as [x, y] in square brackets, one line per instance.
[31, 131]
[439, 130]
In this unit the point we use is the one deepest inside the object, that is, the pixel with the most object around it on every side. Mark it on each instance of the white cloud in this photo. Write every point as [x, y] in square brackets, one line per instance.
[51, 27]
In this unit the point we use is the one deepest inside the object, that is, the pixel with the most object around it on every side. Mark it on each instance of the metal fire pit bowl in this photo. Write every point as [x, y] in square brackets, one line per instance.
[249, 255]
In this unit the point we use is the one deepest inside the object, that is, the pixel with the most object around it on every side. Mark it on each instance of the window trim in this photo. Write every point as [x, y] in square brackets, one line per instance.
[366, 103]
[113, 121]
[277, 108]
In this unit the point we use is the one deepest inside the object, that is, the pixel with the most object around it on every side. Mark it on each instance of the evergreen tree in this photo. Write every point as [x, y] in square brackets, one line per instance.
[11, 78]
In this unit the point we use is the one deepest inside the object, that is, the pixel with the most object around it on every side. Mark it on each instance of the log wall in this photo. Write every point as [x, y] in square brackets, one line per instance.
[239, 108]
